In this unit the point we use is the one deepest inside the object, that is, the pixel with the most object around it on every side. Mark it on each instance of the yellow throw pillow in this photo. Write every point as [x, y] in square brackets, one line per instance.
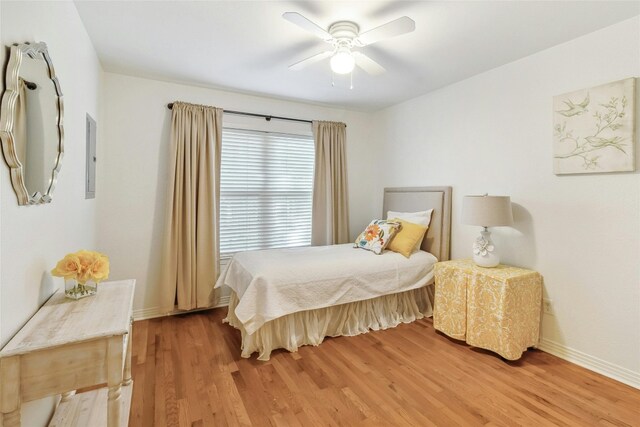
[409, 236]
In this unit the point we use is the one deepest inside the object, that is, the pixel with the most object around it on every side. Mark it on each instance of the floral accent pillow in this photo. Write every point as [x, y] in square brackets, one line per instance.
[377, 235]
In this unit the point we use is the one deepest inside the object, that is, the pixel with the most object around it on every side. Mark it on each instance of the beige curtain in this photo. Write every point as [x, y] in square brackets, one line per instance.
[330, 223]
[191, 252]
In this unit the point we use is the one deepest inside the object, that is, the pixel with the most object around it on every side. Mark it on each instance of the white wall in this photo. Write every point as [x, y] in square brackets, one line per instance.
[133, 164]
[493, 133]
[35, 237]
[489, 133]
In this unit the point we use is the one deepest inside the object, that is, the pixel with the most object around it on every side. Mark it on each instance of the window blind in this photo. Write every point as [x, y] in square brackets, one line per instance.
[266, 185]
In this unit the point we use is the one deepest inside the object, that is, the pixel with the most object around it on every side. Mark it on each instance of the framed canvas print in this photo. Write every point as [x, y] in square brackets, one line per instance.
[594, 129]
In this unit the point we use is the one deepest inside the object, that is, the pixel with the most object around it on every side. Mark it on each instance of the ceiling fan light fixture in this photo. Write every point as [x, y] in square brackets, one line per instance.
[342, 62]
[343, 36]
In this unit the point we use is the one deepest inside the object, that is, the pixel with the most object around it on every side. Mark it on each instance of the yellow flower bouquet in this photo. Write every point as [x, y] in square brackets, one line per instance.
[82, 271]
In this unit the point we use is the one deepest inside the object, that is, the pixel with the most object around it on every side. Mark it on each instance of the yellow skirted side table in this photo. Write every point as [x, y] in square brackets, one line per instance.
[497, 308]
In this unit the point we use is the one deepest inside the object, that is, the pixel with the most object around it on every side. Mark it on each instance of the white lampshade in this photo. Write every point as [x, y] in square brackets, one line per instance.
[487, 211]
[342, 62]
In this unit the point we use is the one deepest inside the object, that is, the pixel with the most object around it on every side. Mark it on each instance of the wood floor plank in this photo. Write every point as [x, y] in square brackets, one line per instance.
[187, 371]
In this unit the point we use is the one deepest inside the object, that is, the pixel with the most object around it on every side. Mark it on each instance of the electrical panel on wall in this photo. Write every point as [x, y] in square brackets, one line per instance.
[90, 180]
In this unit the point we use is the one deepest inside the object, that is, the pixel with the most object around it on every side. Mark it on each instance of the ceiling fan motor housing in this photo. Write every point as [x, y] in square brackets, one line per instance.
[344, 33]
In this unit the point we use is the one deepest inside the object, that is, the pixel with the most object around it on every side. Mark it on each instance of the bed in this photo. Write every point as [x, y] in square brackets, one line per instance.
[287, 298]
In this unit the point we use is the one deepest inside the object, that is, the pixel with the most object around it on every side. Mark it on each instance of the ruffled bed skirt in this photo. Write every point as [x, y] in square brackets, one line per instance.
[310, 327]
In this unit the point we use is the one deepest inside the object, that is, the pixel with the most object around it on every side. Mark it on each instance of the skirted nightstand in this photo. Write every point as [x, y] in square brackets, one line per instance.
[497, 308]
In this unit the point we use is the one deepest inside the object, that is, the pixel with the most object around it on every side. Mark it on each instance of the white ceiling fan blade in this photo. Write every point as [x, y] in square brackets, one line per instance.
[368, 64]
[305, 24]
[390, 29]
[310, 60]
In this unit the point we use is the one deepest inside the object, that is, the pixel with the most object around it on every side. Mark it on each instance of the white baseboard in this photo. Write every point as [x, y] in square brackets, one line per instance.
[153, 312]
[592, 363]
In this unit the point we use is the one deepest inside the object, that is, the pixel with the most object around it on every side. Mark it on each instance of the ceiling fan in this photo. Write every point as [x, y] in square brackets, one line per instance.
[344, 37]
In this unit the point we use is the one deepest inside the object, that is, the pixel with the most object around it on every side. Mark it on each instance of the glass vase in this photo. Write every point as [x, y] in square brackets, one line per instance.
[75, 290]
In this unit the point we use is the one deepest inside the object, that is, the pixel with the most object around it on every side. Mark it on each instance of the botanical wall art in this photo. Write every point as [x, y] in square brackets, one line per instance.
[593, 129]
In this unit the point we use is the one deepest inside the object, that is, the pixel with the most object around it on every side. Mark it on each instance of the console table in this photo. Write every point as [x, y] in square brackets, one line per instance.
[69, 345]
[494, 308]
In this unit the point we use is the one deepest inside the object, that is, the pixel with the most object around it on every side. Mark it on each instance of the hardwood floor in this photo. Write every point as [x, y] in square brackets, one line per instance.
[187, 371]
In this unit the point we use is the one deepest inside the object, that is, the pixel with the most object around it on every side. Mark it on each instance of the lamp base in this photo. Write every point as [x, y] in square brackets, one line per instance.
[484, 252]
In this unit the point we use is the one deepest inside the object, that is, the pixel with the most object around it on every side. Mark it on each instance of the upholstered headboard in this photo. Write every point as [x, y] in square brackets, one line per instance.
[413, 199]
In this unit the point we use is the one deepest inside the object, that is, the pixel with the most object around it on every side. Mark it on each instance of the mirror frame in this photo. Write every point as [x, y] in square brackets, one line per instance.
[7, 119]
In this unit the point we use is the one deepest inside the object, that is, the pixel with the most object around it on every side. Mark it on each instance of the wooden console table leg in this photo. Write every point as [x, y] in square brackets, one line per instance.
[114, 380]
[127, 360]
[113, 406]
[10, 392]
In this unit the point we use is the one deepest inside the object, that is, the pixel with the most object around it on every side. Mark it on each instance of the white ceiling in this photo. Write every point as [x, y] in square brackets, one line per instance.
[247, 46]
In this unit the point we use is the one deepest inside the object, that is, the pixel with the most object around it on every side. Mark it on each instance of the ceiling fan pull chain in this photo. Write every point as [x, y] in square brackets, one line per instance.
[333, 79]
[351, 85]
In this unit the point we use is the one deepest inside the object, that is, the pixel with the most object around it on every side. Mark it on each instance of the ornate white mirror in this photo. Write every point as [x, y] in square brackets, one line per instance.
[31, 123]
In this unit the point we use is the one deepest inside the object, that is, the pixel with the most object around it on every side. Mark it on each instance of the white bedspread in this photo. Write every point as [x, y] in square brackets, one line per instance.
[273, 283]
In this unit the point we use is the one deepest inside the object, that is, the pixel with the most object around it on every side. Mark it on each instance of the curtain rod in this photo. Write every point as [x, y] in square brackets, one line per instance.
[266, 117]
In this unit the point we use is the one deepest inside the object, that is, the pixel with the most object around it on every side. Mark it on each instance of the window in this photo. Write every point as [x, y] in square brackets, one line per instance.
[266, 187]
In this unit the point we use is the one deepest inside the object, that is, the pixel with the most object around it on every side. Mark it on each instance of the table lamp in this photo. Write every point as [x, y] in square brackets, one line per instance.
[486, 211]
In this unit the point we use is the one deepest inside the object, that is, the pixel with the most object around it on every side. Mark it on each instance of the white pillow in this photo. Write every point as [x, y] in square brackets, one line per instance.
[422, 217]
